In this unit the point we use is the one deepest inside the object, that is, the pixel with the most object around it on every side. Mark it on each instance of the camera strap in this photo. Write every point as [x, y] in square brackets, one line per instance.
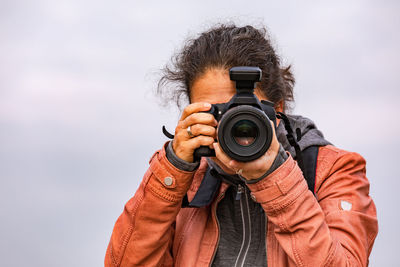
[292, 140]
[306, 159]
[166, 133]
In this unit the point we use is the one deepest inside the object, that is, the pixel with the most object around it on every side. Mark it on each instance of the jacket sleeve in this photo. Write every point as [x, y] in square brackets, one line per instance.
[143, 234]
[335, 228]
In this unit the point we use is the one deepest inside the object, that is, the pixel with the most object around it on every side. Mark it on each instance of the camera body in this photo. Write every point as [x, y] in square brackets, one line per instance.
[244, 128]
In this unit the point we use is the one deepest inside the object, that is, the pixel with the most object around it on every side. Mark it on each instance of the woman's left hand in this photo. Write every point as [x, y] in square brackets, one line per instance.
[248, 170]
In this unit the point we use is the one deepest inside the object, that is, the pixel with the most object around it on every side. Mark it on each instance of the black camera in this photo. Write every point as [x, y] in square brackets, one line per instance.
[244, 128]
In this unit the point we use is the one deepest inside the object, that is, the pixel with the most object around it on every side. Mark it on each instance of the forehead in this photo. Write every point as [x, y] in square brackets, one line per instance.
[214, 86]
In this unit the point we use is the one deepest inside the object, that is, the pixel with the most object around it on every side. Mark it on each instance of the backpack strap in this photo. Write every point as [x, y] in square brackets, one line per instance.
[310, 156]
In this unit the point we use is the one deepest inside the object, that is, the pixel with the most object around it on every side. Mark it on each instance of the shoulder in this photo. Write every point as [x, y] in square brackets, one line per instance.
[339, 167]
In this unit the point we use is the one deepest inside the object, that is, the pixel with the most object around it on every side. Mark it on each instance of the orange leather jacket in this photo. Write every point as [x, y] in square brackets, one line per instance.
[337, 227]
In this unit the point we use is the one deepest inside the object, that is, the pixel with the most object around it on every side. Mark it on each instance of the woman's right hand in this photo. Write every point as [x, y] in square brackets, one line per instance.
[202, 126]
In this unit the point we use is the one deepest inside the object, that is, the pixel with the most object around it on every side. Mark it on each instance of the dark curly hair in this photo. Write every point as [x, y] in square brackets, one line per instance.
[226, 46]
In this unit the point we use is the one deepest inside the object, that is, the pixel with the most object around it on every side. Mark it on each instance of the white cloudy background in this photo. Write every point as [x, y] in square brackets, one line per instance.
[79, 122]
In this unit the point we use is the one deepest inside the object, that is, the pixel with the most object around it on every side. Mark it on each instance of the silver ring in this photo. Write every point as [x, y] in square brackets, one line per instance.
[239, 172]
[189, 132]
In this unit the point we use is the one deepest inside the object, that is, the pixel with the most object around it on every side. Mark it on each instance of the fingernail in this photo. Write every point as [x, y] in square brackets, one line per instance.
[207, 105]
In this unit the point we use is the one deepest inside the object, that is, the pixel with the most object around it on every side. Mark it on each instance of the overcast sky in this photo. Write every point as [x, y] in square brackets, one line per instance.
[79, 122]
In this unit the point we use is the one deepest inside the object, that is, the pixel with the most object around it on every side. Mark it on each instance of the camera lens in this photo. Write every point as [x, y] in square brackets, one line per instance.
[244, 132]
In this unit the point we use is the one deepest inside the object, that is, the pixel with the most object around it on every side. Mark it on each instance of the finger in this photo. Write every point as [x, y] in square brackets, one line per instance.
[194, 108]
[182, 134]
[198, 141]
[221, 155]
[202, 129]
[273, 127]
[226, 160]
[199, 118]
[185, 149]
[274, 146]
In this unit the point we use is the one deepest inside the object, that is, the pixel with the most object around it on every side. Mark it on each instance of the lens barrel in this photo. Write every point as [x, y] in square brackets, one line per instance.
[244, 133]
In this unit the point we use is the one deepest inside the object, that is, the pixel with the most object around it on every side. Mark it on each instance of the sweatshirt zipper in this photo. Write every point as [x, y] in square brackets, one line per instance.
[239, 192]
[244, 209]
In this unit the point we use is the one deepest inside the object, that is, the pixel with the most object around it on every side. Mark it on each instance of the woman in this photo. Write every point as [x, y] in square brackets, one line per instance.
[260, 212]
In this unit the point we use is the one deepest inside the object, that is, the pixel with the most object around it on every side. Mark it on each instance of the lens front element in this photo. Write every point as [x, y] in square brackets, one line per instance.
[244, 132]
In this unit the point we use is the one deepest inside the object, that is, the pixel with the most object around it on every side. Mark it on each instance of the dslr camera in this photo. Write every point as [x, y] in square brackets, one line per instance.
[244, 128]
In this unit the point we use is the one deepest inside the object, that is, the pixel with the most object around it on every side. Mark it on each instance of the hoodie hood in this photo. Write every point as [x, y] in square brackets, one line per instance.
[310, 135]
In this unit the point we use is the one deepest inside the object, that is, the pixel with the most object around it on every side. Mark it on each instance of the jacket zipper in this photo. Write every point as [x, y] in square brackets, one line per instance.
[216, 219]
[244, 209]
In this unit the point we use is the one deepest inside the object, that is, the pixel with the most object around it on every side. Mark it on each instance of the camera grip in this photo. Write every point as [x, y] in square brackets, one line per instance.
[203, 151]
